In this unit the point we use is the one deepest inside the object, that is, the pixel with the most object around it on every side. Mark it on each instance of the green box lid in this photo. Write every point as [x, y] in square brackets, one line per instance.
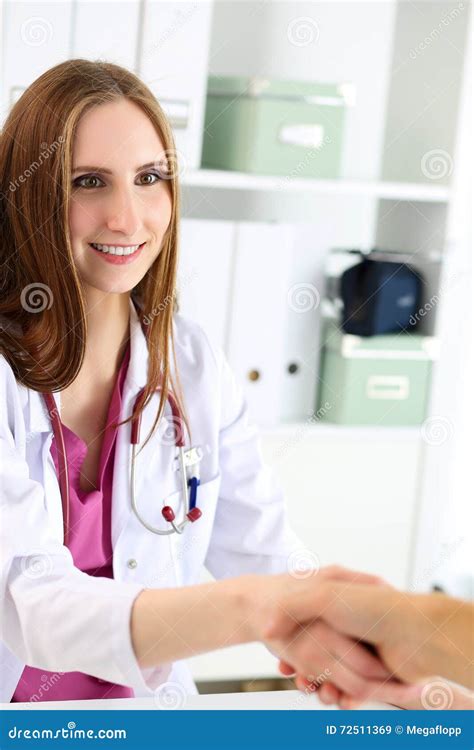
[331, 94]
[403, 345]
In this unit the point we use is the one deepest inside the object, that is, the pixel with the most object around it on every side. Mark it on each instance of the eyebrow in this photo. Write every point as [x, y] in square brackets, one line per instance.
[103, 170]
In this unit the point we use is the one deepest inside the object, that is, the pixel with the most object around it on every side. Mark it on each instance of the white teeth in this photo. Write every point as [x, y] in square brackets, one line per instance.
[114, 250]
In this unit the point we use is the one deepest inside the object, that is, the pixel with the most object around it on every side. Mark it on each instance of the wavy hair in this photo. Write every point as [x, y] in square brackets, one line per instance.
[45, 343]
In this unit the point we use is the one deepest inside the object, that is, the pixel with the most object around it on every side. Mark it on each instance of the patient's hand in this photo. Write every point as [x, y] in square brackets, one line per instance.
[312, 648]
[414, 636]
[338, 667]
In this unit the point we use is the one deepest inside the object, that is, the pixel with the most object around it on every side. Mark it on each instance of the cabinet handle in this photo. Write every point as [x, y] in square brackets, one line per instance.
[393, 387]
[310, 136]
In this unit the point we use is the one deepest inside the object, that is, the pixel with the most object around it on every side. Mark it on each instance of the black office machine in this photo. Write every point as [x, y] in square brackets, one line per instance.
[380, 294]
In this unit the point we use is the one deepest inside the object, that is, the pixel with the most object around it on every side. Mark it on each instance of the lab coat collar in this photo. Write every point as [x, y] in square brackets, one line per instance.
[137, 373]
[135, 380]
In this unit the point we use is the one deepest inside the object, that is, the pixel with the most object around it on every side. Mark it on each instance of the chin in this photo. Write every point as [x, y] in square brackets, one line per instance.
[122, 286]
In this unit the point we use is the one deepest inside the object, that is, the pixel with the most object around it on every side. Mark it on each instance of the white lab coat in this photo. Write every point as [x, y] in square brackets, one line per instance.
[59, 619]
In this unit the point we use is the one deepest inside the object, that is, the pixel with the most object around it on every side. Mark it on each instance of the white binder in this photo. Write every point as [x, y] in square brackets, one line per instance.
[259, 315]
[204, 275]
[106, 31]
[173, 62]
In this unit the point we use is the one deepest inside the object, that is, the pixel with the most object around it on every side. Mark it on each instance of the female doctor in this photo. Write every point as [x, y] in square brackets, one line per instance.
[127, 459]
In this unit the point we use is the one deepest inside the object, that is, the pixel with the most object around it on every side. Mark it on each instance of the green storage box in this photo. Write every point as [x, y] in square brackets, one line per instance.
[290, 128]
[381, 380]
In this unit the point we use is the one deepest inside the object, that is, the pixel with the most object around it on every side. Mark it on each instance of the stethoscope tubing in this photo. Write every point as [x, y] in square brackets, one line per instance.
[190, 514]
[63, 474]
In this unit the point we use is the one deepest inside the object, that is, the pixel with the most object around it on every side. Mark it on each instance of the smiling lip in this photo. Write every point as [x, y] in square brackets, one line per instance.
[119, 260]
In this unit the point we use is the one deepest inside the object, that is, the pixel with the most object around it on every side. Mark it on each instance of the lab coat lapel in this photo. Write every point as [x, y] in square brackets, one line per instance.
[155, 478]
[135, 380]
[38, 438]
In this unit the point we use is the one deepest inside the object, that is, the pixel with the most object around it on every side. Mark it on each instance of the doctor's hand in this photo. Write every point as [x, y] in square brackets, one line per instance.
[329, 661]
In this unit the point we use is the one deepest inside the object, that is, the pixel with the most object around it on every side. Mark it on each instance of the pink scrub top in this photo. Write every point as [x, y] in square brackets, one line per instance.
[90, 544]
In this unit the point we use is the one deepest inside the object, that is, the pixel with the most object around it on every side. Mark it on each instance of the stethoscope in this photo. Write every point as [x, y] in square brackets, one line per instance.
[188, 463]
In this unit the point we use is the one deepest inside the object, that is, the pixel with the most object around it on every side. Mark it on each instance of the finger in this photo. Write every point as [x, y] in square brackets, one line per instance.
[356, 655]
[329, 694]
[319, 665]
[353, 654]
[346, 703]
[432, 693]
[286, 669]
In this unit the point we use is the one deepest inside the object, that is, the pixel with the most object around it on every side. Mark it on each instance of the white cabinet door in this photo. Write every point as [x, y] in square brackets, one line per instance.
[106, 30]
[259, 315]
[204, 275]
[351, 493]
[173, 62]
[36, 36]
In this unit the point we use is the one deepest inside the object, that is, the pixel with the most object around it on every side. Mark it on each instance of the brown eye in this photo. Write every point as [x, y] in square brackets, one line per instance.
[88, 181]
[149, 178]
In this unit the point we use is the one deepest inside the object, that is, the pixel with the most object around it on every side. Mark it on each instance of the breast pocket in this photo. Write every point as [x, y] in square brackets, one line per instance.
[189, 549]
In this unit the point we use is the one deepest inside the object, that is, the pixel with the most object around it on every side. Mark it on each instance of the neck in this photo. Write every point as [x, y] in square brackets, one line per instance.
[108, 328]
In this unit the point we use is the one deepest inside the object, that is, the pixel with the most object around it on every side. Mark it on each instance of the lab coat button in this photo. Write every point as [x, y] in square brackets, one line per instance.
[132, 563]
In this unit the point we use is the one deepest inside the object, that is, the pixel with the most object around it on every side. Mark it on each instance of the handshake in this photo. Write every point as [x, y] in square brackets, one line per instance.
[350, 637]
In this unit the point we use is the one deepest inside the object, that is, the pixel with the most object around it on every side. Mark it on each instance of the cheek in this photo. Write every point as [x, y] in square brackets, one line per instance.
[81, 221]
[158, 212]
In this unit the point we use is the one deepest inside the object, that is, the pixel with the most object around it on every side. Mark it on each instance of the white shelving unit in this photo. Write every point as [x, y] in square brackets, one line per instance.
[353, 492]
[221, 180]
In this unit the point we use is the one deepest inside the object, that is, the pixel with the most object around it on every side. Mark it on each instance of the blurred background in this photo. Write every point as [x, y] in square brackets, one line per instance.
[324, 152]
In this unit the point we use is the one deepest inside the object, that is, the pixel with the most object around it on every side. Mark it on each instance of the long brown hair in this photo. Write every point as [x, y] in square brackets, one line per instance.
[42, 308]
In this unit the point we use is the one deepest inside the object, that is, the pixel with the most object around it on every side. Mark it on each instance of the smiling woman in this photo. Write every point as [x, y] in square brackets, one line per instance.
[81, 238]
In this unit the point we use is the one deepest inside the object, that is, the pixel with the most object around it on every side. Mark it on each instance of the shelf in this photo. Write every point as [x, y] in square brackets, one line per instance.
[220, 179]
[300, 431]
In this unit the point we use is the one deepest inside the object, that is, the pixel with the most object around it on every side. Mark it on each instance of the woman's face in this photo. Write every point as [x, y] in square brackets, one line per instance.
[119, 200]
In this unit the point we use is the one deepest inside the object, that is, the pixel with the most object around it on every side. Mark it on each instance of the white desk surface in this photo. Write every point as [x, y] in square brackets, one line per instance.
[276, 700]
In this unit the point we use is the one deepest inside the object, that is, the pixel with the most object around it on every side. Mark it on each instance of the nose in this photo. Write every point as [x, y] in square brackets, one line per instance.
[123, 213]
